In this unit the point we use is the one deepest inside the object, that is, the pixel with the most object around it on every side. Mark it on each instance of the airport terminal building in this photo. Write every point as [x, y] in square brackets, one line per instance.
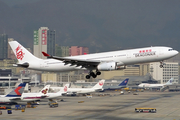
[170, 70]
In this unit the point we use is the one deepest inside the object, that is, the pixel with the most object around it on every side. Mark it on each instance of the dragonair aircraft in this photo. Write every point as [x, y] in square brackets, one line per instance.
[146, 85]
[13, 96]
[105, 61]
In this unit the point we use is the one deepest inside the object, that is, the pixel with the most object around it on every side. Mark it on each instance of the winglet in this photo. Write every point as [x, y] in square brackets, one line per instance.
[45, 54]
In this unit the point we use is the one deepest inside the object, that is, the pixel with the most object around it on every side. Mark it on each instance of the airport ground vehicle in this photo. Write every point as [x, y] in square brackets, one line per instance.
[54, 104]
[152, 110]
[2, 107]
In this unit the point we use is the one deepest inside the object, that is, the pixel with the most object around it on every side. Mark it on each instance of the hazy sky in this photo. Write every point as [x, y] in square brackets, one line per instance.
[101, 25]
[17, 2]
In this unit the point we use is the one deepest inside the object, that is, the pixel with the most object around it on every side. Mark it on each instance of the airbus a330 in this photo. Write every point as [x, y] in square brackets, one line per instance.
[106, 61]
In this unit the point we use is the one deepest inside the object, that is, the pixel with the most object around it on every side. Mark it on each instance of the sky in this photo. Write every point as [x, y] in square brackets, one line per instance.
[101, 25]
[17, 2]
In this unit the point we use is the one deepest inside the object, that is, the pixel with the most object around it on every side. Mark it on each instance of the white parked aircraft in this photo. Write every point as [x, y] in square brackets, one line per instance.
[58, 89]
[13, 96]
[57, 94]
[97, 87]
[43, 94]
[105, 61]
[31, 97]
[147, 85]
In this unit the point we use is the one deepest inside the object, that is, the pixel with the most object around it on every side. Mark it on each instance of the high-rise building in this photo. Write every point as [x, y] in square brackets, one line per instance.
[75, 50]
[10, 52]
[3, 46]
[44, 40]
[169, 70]
[62, 51]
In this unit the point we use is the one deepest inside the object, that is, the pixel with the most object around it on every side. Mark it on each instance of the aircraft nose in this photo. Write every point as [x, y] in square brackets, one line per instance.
[175, 52]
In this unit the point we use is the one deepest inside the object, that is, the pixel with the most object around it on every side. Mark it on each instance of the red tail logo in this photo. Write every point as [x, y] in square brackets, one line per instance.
[100, 83]
[45, 91]
[17, 90]
[65, 89]
[19, 53]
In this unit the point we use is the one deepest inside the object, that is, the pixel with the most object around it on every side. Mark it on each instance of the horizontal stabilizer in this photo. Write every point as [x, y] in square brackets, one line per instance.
[45, 54]
[25, 65]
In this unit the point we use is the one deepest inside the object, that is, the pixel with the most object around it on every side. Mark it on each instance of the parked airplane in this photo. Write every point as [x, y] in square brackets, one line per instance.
[147, 85]
[121, 85]
[43, 94]
[97, 87]
[57, 89]
[31, 97]
[106, 61]
[14, 95]
[57, 94]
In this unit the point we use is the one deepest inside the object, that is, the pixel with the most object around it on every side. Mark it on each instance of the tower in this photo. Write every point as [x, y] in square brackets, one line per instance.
[3, 46]
[44, 41]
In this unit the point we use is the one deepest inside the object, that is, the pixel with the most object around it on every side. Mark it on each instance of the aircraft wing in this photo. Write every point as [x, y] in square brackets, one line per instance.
[74, 61]
[43, 96]
[15, 99]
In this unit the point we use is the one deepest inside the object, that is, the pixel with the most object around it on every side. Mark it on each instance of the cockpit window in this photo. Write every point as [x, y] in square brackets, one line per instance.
[170, 49]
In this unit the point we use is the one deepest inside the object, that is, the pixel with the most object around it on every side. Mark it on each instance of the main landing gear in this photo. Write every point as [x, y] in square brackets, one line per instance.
[91, 73]
[161, 64]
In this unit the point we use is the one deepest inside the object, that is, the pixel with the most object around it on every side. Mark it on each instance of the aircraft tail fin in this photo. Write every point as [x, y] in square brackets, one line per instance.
[64, 90]
[99, 85]
[170, 81]
[124, 83]
[22, 54]
[17, 92]
[45, 90]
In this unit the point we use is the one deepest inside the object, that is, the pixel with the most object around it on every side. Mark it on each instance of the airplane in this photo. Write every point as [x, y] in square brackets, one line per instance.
[105, 61]
[56, 89]
[32, 97]
[10, 99]
[121, 85]
[51, 96]
[97, 87]
[43, 94]
[147, 85]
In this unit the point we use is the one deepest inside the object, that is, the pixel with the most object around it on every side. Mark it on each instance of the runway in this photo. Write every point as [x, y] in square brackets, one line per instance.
[109, 107]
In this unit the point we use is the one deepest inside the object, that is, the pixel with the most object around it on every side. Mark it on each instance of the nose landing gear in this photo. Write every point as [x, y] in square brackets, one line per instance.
[161, 64]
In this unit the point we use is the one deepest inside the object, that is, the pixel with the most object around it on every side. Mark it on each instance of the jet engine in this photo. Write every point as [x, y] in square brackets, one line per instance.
[108, 66]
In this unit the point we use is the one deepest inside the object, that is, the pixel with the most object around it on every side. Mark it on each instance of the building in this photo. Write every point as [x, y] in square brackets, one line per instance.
[62, 51]
[170, 69]
[75, 50]
[10, 51]
[3, 46]
[44, 40]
